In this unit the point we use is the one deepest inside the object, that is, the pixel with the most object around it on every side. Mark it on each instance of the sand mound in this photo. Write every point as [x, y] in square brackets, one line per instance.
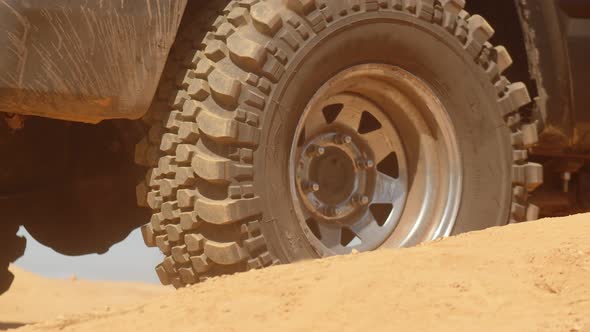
[526, 277]
[33, 299]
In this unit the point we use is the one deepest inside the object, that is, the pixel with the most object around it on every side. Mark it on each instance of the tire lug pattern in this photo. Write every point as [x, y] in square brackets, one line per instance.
[227, 211]
[199, 149]
[180, 254]
[480, 31]
[163, 244]
[149, 236]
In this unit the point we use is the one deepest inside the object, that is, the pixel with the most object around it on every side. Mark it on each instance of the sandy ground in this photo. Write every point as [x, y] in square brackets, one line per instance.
[526, 277]
[34, 299]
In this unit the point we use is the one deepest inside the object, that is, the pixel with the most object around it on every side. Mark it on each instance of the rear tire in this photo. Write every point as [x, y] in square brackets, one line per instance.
[221, 192]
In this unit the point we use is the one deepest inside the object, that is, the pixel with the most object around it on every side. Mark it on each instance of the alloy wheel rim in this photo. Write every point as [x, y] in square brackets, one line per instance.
[349, 171]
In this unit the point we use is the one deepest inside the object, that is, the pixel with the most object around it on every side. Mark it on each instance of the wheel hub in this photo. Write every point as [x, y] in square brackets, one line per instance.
[333, 176]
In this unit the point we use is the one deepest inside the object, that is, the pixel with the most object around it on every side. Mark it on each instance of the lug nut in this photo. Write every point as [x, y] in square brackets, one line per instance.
[361, 200]
[311, 187]
[316, 151]
[366, 164]
[343, 139]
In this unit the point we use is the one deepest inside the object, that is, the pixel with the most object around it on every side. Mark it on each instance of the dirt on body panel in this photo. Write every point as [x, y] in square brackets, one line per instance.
[84, 61]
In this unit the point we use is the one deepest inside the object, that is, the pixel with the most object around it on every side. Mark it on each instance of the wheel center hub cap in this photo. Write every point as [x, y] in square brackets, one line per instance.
[333, 176]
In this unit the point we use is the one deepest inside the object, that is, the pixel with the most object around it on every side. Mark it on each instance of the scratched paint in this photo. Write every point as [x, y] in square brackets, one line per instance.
[84, 60]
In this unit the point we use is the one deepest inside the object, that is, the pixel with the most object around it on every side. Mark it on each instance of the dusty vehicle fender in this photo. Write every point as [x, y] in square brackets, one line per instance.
[557, 36]
[84, 60]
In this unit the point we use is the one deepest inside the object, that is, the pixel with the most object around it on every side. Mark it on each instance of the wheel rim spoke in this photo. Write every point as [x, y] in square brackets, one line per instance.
[331, 234]
[353, 107]
[388, 190]
[380, 143]
[314, 124]
[350, 116]
[367, 228]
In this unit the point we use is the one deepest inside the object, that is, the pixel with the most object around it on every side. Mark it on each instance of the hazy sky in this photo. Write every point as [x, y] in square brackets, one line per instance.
[129, 260]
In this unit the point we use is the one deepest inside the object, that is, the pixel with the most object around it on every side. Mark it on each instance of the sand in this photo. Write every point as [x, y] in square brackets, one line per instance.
[524, 277]
[34, 299]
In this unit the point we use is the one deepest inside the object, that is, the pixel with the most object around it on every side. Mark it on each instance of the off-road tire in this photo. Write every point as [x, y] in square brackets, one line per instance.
[194, 251]
[219, 202]
[13, 247]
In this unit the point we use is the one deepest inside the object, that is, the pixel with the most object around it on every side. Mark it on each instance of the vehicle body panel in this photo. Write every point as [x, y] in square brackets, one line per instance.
[575, 22]
[86, 60]
[557, 34]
